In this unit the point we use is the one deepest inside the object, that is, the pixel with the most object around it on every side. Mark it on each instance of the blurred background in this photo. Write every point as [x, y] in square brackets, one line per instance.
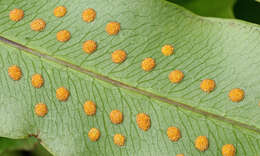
[248, 10]
[22, 147]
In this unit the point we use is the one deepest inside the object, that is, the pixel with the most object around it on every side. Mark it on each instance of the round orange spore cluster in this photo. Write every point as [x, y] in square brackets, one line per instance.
[62, 94]
[173, 133]
[167, 50]
[60, 11]
[143, 121]
[89, 15]
[89, 46]
[37, 80]
[116, 117]
[41, 109]
[176, 76]
[112, 28]
[228, 150]
[94, 134]
[148, 64]
[119, 139]
[118, 56]
[38, 24]
[180, 155]
[207, 85]
[16, 14]
[90, 108]
[63, 35]
[14, 72]
[236, 95]
[202, 143]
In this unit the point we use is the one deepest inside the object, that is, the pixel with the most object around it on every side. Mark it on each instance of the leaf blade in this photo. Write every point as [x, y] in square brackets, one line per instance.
[210, 44]
[138, 142]
[138, 79]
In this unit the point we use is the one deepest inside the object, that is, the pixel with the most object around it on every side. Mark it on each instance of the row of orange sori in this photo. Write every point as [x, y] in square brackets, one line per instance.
[116, 116]
[118, 56]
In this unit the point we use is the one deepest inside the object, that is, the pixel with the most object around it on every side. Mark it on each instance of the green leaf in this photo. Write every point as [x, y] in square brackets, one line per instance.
[224, 50]
[213, 8]
[16, 144]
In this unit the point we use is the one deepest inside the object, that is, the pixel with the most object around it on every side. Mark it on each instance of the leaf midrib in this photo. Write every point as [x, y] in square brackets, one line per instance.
[126, 86]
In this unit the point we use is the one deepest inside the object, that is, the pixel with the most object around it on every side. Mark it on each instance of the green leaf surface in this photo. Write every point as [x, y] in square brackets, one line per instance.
[7, 145]
[224, 50]
[212, 8]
